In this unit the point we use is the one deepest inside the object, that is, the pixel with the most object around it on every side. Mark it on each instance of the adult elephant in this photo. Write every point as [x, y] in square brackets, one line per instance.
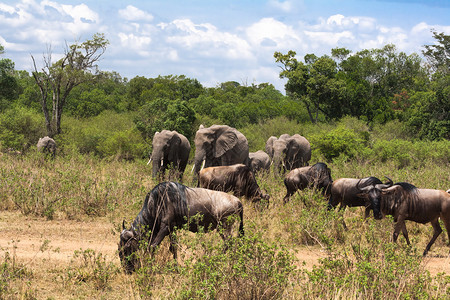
[219, 145]
[290, 152]
[170, 148]
[47, 145]
[269, 144]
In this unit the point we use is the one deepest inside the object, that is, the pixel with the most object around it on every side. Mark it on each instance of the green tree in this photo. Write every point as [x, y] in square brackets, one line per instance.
[9, 88]
[314, 83]
[161, 114]
[56, 80]
[438, 55]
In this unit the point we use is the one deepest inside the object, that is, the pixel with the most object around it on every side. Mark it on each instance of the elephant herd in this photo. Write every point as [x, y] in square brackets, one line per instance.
[225, 152]
[222, 145]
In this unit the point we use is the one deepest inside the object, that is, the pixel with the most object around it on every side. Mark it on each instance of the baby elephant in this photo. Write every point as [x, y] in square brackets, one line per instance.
[47, 145]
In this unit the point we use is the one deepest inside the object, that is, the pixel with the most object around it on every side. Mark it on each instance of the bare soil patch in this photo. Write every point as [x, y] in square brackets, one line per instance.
[47, 248]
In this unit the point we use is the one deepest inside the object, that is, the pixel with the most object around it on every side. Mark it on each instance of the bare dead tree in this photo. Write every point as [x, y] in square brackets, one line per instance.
[56, 80]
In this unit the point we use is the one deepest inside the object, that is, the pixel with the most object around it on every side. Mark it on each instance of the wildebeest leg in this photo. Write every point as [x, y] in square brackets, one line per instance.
[405, 233]
[366, 212]
[437, 231]
[173, 245]
[399, 225]
[225, 231]
[446, 220]
[342, 207]
[291, 188]
[162, 233]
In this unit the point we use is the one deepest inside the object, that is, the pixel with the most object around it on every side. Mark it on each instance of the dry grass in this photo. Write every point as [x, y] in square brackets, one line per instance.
[60, 222]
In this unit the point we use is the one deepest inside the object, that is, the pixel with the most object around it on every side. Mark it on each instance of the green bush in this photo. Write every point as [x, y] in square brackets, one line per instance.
[339, 141]
[20, 128]
[109, 134]
[251, 268]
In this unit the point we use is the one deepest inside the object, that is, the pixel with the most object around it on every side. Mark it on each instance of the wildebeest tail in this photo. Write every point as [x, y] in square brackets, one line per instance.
[241, 215]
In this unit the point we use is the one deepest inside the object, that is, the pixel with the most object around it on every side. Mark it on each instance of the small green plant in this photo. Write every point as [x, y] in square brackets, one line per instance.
[11, 271]
[373, 268]
[89, 266]
[250, 268]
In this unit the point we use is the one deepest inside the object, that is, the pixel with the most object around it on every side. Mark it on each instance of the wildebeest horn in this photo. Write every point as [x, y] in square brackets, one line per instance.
[385, 185]
[364, 189]
[123, 225]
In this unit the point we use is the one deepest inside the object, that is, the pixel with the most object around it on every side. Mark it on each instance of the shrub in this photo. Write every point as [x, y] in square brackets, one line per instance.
[339, 141]
[251, 268]
[89, 266]
[109, 134]
[10, 271]
[20, 128]
[373, 268]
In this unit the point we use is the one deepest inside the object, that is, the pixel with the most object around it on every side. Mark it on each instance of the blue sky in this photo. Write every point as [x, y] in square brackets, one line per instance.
[215, 41]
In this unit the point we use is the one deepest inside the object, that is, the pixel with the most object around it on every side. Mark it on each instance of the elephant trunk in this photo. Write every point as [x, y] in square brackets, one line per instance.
[156, 166]
[199, 159]
[278, 163]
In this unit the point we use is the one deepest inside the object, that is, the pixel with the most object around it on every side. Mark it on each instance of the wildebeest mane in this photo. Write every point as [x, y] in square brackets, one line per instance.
[410, 191]
[155, 204]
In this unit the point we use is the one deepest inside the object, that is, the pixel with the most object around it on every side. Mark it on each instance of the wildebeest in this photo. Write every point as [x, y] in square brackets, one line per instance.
[171, 205]
[316, 176]
[404, 201]
[238, 179]
[352, 192]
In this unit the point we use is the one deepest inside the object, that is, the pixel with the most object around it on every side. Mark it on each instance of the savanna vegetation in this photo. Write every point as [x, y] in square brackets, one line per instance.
[375, 112]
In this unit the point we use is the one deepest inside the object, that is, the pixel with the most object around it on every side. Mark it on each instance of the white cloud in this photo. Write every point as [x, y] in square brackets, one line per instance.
[206, 40]
[285, 6]
[131, 13]
[136, 43]
[281, 35]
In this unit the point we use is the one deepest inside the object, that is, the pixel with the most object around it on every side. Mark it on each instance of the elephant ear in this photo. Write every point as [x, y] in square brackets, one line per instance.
[174, 145]
[225, 142]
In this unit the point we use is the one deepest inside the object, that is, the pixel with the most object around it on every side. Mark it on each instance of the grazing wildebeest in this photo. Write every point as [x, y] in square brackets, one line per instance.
[238, 179]
[404, 201]
[352, 192]
[171, 205]
[317, 176]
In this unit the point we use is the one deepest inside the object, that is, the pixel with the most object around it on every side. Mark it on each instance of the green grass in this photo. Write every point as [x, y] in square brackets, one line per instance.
[358, 263]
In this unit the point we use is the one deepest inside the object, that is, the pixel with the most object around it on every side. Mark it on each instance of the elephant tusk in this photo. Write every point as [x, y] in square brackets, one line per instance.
[203, 165]
[149, 161]
[193, 166]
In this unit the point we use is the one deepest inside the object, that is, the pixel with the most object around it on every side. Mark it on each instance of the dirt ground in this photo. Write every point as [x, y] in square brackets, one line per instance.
[47, 247]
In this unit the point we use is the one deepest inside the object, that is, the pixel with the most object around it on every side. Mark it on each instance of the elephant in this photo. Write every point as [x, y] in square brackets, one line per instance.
[47, 145]
[170, 148]
[290, 152]
[219, 145]
[259, 161]
[269, 144]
